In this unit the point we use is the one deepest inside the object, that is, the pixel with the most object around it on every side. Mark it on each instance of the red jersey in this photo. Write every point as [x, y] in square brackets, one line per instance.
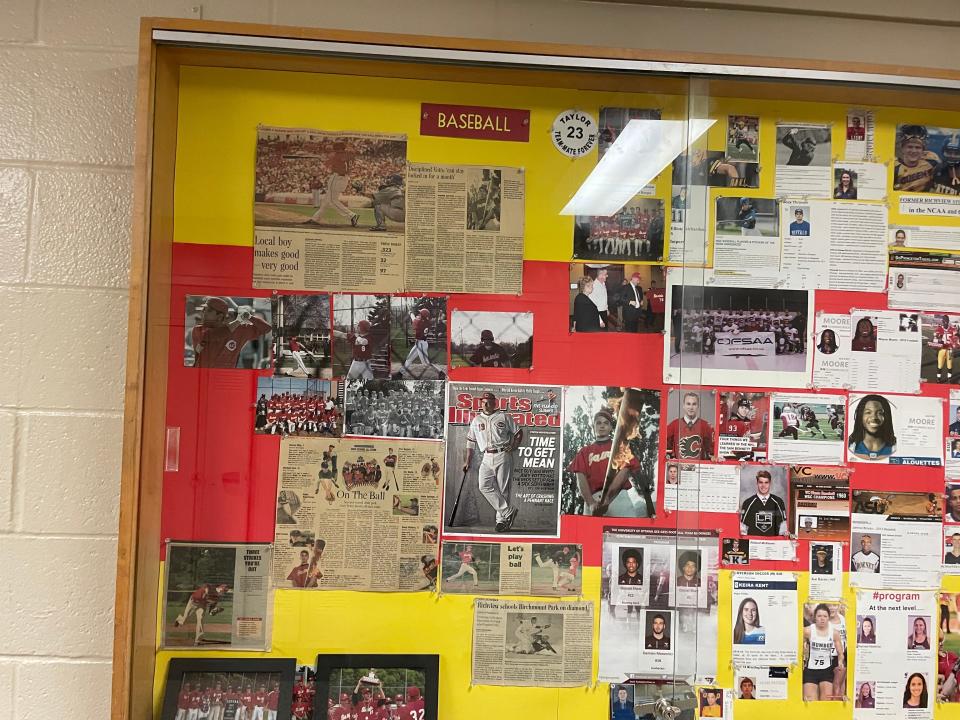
[945, 665]
[420, 328]
[690, 441]
[362, 351]
[220, 347]
[657, 299]
[592, 461]
[298, 576]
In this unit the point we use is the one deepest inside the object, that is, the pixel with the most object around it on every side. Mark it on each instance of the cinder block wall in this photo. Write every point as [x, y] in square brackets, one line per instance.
[67, 71]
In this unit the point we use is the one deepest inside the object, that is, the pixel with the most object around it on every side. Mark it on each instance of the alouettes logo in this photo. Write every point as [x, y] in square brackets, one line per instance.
[690, 446]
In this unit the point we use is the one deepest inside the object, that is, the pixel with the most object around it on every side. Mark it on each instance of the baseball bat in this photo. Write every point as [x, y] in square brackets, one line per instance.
[456, 504]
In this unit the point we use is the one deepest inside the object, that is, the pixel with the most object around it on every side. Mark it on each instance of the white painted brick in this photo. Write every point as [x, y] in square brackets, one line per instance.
[68, 477]
[58, 594]
[11, 350]
[117, 22]
[16, 99]
[7, 671]
[18, 20]
[8, 428]
[84, 103]
[74, 345]
[62, 689]
[15, 191]
[81, 229]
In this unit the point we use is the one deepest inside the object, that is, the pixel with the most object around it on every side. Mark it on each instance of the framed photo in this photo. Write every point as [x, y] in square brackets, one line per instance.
[361, 685]
[229, 687]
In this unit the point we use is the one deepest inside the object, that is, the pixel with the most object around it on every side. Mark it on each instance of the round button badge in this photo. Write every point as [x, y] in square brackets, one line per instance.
[574, 133]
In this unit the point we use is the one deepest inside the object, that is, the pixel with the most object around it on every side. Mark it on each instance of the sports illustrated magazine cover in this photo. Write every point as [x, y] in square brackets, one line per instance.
[503, 460]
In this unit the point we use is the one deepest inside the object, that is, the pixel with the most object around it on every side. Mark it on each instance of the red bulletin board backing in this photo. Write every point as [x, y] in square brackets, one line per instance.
[224, 487]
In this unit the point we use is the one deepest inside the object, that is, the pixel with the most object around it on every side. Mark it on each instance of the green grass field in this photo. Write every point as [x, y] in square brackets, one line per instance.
[805, 434]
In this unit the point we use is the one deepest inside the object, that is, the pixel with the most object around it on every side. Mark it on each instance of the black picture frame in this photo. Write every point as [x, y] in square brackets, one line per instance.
[429, 665]
[284, 667]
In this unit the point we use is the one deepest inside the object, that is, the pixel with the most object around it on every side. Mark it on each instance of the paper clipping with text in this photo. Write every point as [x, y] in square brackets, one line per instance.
[464, 229]
[535, 644]
[336, 533]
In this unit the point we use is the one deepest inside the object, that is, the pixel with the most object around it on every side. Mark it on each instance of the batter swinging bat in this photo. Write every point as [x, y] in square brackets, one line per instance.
[456, 504]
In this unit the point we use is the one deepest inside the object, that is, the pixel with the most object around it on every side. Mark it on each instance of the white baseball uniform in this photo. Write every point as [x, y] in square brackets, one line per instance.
[493, 435]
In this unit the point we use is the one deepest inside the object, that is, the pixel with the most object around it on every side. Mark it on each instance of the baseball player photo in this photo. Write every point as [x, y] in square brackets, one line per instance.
[471, 567]
[198, 609]
[418, 339]
[503, 474]
[301, 335]
[630, 485]
[338, 181]
[297, 407]
[491, 339]
[227, 332]
[361, 337]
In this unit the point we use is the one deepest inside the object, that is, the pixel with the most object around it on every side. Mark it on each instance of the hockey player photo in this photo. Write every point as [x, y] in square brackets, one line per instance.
[763, 509]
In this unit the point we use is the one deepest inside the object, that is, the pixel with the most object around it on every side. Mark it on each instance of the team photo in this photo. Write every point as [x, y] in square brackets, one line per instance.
[395, 408]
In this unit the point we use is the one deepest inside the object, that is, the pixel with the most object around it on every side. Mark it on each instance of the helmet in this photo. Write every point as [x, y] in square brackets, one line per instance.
[395, 179]
[413, 692]
[486, 336]
[913, 132]
[424, 313]
[363, 327]
[951, 150]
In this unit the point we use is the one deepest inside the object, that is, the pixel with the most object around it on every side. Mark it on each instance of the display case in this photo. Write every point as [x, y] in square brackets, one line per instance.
[549, 381]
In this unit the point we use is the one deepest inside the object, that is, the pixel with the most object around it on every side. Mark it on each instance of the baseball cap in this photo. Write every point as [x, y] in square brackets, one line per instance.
[218, 304]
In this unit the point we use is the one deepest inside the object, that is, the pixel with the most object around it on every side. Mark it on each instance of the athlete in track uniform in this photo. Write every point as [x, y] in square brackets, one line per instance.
[495, 435]
[216, 342]
[489, 353]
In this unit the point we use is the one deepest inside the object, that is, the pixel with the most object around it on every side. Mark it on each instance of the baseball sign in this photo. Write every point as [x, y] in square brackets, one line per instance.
[574, 133]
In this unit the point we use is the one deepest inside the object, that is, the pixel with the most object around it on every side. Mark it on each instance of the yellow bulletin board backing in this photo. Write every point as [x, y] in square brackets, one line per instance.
[220, 109]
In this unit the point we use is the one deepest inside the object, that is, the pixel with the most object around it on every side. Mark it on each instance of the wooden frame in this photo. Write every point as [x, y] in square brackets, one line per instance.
[157, 91]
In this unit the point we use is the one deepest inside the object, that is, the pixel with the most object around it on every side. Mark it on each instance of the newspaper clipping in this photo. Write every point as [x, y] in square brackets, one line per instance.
[357, 514]
[329, 210]
[465, 232]
[540, 569]
[535, 644]
[216, 596]
[503, 460]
